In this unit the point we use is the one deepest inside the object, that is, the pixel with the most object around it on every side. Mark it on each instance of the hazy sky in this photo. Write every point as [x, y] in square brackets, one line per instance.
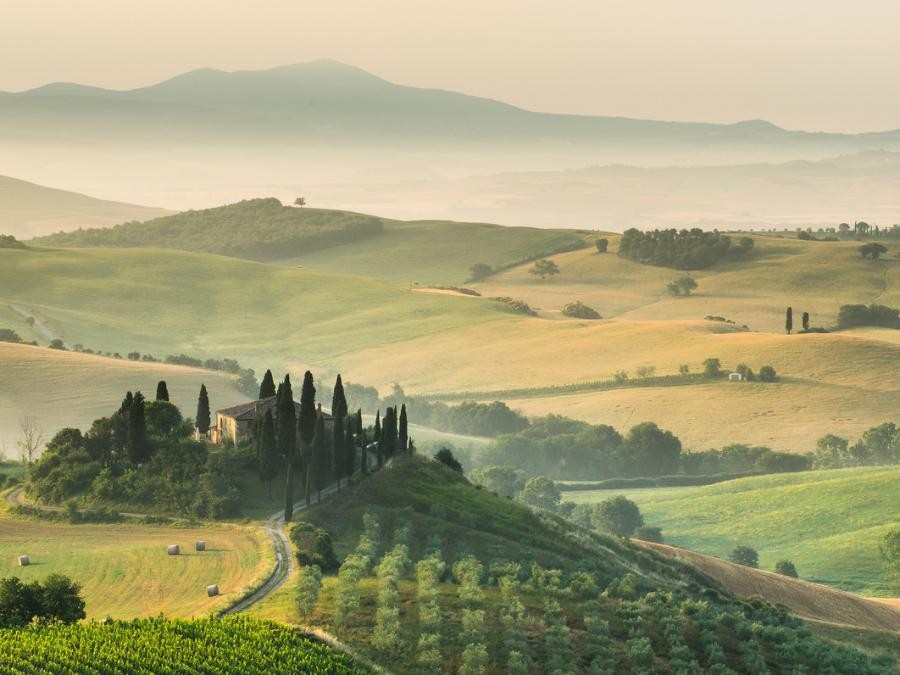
[812, 64]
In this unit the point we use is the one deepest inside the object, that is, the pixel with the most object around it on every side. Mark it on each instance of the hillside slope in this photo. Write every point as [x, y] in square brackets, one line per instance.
[29, 210]
[68, 389]
[805, 599]
[828, 523]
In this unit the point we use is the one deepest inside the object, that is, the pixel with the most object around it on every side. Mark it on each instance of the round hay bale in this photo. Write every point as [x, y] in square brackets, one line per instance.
[24, 561]
[200, 545]
[173, 549]
[212, 590]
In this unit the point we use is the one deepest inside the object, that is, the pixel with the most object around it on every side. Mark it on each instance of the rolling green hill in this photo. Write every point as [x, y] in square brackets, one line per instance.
[379, 331]
[28, 210]
[827, 522]
[255, 229]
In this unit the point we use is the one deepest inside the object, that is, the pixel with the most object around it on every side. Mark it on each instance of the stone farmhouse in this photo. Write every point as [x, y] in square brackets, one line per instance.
[238, 423]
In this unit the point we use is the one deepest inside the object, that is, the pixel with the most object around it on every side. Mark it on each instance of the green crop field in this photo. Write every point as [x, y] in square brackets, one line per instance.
[125, 570]
[229, 645]
[827, 522]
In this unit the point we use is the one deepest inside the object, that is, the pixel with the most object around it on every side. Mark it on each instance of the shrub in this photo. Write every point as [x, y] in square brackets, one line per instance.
[445, 457]
[767, 374]
[514, 305]
[308, 586]
[649, 534]
[578, 310]
[619, 515]
[314, 547]
[681, 287]
[786, 567]
[744, 555]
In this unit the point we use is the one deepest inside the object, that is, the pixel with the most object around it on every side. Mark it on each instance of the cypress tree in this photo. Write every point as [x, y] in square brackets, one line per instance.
[267, 386]
[286, 433]
[120, 423]
[389, 432]
[359, 422]
[339, 400]
[267, 450]
[338, 451]
[376, 437]
[162, 391]
[348, 457]
[364, 453]
[805, 320]
[126, 403]
[307, 423]
[403, 433]
[317, 466]
[137, 445]
[789, 320]
[202, 411]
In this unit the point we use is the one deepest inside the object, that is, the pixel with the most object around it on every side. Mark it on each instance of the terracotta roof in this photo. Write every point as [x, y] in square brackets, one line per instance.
[255, 409]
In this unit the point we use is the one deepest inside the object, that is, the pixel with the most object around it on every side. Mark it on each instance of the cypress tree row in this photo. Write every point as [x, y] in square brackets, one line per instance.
[267, 386]
[162, 391]
[267, 456]
[403, 430]
[285, 426]
[137, 445]
[307, 423]
[203, 411]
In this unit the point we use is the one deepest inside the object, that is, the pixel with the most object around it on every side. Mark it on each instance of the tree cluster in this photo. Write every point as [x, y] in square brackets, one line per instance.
[880, 316]
[682, 249]
[58, 598]
[141, 455]
[878, 446]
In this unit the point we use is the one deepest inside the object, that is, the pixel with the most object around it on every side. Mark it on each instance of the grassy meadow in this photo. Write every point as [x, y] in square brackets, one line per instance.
[827, 522]
[125, 571]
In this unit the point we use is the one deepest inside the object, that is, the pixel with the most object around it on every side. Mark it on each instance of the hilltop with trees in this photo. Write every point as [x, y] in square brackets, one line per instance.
[682, 249]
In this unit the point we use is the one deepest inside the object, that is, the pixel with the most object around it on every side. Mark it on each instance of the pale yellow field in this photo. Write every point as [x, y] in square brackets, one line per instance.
[125, 571]
[68, 389]
[817, 277]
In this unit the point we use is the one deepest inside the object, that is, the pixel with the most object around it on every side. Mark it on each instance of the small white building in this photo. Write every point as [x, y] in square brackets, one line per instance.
[735, 377]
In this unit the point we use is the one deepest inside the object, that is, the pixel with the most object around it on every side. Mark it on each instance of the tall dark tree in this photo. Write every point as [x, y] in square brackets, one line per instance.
[339, 400]
[403, 430]
[363, 453]
[126, 403]
[338, 451]
[376, 437]
[137, 444]
[286, 433]
[162, 391]
[389, 432]
[805, 320]
[307, 424]
[317, 465]
[267, 455]
[789, 320]
[359, 422]
[267, 386]
[203, 411]
[349, 453]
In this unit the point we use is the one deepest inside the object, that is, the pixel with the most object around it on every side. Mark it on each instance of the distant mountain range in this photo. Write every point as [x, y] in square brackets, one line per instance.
[28, 210]
[329, 102]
